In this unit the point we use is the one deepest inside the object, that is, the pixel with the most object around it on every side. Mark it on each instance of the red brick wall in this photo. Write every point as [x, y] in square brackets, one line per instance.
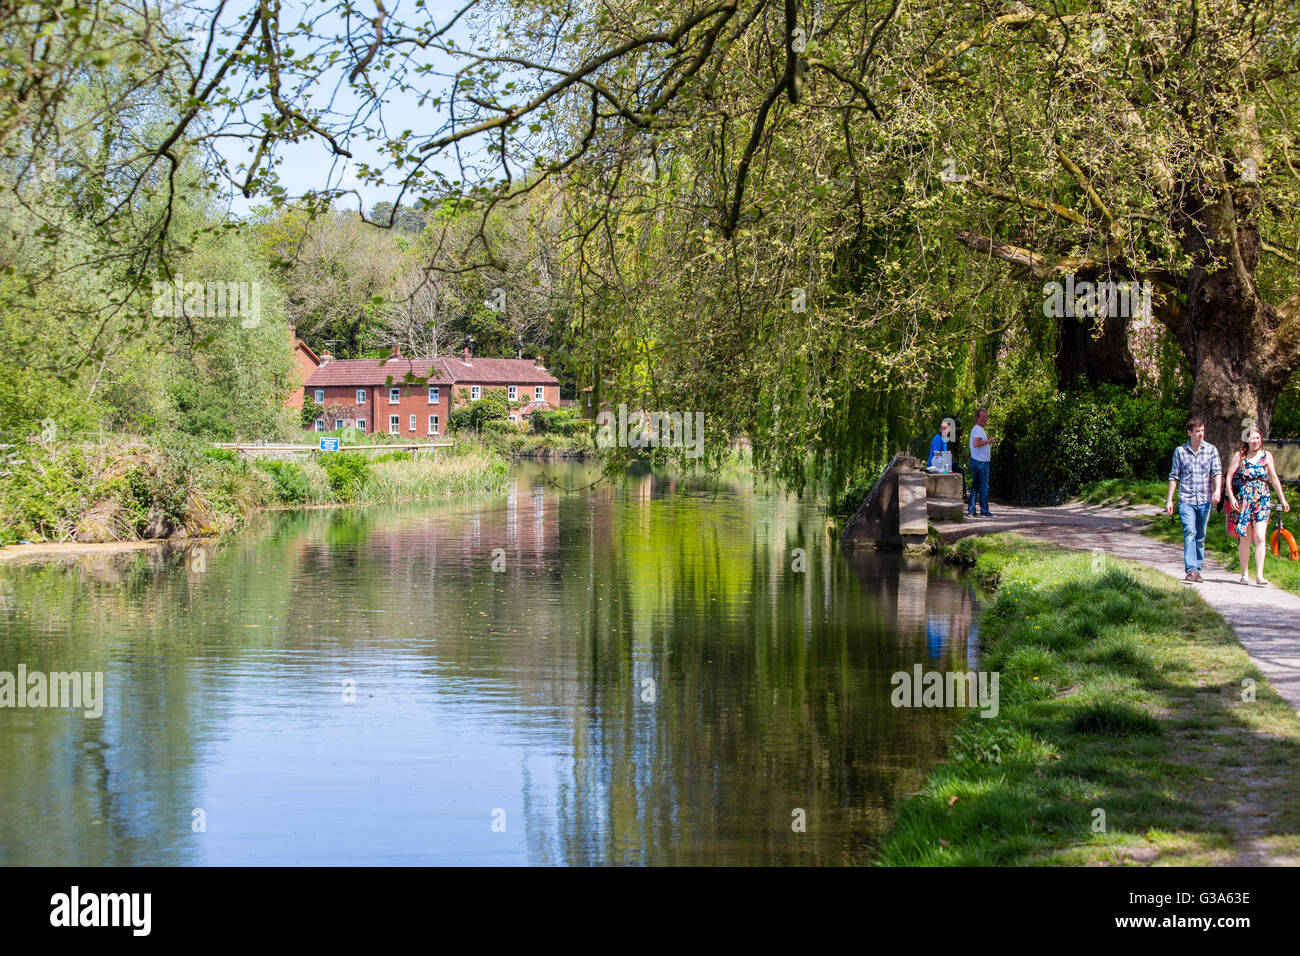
[303, 366]
[551, 393]
[413, 400]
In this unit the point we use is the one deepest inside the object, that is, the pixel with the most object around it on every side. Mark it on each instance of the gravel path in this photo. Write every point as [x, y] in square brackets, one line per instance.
[1267, 620]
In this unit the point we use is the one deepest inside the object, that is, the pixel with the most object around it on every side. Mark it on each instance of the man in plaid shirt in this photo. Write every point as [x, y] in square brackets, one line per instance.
[1197, 474]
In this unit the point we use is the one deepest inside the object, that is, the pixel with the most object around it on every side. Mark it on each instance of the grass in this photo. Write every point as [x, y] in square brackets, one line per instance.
[121, 488]
[1132, 491]
[1281, 570]
[1122, 735]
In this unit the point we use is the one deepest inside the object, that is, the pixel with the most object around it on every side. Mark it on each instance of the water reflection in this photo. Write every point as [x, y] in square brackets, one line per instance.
[644, 678]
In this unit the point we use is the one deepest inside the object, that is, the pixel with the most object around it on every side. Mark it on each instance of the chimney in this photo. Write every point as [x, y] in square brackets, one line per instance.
[396, 351]
[466, 358]
[326, 358]
[540, 365]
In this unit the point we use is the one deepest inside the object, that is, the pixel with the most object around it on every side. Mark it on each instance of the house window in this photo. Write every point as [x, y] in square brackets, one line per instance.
[361, 396]
[361, 424]
[394, 396]
[320, 424]
[513, 393]
[320, 396]
[433, 394]
[394, 424]
[537, 394]
[338, 423]
[433, 424]
[412, 423]
[475, 392]
[514, 418]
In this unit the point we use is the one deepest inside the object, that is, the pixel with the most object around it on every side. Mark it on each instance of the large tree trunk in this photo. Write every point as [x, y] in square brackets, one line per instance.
[1241, 349]
[1227, 390]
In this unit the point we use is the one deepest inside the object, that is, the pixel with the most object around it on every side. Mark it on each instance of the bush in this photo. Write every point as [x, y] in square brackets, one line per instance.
[1050, 444]
[348, 472]
[225, 455]
[291, 484]
[492, 406]
[499, 426]
[393, 456]
[1286, 414]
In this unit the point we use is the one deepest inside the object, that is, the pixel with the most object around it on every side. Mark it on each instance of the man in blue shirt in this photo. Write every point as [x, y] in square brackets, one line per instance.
[1197, 473]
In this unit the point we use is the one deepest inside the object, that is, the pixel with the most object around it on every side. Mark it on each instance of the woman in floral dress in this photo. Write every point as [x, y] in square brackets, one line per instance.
[1254, 467]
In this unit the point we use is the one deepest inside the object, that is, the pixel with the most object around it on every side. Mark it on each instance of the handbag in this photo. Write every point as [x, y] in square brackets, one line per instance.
[1230, 523]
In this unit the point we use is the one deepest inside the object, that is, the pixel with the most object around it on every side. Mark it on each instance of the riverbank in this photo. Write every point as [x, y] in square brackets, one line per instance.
[120, 489]
[1122, 735]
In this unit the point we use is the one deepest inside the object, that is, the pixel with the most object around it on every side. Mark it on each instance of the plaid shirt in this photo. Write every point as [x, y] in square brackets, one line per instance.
[1193, 471]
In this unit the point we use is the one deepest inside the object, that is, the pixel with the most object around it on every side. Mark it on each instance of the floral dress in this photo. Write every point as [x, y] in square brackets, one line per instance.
[1254, 499]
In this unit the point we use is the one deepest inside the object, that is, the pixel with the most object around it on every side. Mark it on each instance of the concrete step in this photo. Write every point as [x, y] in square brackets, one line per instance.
[942, 509]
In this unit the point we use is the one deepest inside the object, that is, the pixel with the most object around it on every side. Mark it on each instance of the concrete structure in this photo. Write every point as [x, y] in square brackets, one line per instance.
[897, 512]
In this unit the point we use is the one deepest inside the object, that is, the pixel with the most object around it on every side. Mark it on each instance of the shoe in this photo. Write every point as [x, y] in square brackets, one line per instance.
[1191, 578]
[1197, 577]
[1262, 583]
[987, 514]
[1243, 580]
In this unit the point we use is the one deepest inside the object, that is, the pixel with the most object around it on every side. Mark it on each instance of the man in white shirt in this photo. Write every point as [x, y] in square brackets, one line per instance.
[980, 454]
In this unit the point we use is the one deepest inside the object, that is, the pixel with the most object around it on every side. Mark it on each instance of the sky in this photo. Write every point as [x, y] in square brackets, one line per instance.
[310, 164]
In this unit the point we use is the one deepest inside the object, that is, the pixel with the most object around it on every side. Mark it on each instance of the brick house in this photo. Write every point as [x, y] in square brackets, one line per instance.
[358, 391]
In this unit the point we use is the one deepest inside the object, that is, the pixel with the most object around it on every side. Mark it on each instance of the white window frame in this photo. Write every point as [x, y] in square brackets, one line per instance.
[512, 393]
[539, 393]
[433, 394]
[394, 424]
[412, 423]
[394, 396]
[361, 396]
[433, 425]
[361, 424]
[513, 417]
[320, 396]
[338, 423]
[320, 424]
[475, 392]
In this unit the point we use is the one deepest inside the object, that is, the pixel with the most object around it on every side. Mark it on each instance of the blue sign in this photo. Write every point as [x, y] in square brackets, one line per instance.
[329, 444]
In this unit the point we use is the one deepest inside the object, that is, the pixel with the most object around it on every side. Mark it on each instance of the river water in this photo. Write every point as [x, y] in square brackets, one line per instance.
[653, 671]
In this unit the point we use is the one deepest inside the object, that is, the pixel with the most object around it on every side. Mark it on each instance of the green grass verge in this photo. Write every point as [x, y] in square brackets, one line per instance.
[1132, 491]
[1120, 692]
[1282, 571]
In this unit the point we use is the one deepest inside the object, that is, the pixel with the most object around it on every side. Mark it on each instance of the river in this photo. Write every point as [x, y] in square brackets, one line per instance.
[659, 670]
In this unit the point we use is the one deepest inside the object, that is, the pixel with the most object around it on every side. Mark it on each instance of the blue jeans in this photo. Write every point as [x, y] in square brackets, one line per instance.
[980, 485]
[1194, 518]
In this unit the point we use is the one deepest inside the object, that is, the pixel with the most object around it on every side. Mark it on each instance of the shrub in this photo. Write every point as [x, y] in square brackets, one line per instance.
[1050, 444]
[225, 455]
[290, 482]
[348, 472]
[492, 406]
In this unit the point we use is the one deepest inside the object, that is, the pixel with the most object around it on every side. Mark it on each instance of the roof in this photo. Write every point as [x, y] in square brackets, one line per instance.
[494, 371]
[375, 372]
[438, 371]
